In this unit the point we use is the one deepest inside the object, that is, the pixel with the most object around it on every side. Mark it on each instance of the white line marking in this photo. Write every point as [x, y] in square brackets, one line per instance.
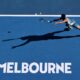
[18, 15]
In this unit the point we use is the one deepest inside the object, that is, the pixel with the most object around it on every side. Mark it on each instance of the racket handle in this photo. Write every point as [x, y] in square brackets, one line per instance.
[49, 21]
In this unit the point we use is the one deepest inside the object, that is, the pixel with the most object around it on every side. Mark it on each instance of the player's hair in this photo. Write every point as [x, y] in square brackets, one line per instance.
[63, 16]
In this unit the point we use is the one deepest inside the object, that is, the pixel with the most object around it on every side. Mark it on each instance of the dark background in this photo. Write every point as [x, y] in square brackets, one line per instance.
[37, 6]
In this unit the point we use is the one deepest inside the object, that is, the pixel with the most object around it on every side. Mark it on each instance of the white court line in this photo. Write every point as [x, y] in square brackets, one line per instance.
[18, 15]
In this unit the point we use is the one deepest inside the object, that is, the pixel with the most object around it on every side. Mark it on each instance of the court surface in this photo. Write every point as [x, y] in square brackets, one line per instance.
[51, 50]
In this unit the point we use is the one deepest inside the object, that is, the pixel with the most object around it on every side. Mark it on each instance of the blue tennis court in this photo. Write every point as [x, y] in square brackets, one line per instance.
[50, 50]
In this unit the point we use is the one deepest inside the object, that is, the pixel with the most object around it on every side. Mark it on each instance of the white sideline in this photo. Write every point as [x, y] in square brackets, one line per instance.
[36, 15]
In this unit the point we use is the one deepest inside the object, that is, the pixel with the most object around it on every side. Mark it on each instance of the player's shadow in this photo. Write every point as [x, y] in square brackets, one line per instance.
[48, 36]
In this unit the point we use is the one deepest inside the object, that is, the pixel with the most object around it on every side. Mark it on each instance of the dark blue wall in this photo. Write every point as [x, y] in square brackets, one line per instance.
[44, 6]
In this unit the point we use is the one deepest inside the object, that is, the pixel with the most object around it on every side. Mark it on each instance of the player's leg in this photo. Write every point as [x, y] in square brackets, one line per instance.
[77, 26]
